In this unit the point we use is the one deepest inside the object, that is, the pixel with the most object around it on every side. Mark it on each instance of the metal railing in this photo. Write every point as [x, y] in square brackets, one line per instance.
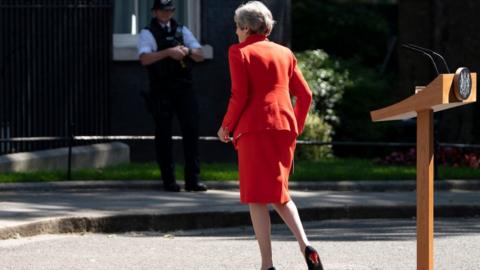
[72, 139]
[55, 69]
[214, 138]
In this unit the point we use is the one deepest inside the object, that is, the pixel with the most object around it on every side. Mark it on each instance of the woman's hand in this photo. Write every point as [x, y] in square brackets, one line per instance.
[224, 135]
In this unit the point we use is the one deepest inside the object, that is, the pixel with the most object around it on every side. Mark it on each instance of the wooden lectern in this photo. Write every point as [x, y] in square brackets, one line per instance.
[444, 92]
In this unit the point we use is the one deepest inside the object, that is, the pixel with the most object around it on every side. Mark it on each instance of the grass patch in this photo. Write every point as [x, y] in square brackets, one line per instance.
[325, 170]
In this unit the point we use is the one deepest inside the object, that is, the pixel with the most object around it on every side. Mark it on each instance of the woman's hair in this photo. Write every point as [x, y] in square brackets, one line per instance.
[255, 16]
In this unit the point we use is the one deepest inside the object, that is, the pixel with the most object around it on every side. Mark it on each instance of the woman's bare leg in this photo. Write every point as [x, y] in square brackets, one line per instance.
[289, 213]
[261, 225]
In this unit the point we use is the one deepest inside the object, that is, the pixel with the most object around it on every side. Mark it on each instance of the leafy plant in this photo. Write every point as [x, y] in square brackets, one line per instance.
[315, 130]
[327, 81]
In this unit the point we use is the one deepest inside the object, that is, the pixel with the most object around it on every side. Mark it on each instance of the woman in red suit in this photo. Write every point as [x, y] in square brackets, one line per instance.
[265, 125]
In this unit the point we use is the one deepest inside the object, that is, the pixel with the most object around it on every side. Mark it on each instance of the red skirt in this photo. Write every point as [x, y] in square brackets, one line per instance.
[264, 163]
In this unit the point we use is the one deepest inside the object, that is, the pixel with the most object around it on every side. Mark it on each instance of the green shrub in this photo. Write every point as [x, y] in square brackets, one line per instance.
[327, 81]
[344, 93]
[315, 130]
[347, 87]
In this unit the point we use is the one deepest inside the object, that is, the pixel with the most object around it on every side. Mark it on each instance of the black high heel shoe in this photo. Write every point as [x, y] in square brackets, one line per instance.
[312, 259]
[271, 268]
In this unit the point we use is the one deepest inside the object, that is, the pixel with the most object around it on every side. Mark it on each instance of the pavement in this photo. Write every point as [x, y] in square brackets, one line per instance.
[360, 244]
[31, 209]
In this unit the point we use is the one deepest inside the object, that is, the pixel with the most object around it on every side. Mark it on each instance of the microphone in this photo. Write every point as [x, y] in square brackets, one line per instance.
[433, 53]
[424, 53]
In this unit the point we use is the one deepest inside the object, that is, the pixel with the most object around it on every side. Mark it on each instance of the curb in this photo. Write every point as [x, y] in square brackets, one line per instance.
[191, 221]
[366, 186]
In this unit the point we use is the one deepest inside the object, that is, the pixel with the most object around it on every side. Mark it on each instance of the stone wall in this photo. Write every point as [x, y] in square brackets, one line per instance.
[83, 157]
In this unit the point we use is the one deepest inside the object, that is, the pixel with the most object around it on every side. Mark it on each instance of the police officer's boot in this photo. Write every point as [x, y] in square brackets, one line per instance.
[171, 186]
[196, 186]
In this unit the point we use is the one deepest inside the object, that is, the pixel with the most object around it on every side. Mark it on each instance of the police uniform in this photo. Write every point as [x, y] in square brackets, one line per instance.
[171, 93]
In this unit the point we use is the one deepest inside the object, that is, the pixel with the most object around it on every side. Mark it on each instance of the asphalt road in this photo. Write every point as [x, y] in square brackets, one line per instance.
[343, 244]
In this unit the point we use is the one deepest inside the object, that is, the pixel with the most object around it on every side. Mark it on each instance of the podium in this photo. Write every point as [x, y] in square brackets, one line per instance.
[446, 91]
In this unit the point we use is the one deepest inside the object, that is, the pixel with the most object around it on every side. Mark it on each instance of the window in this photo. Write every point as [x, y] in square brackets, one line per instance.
[130, 16]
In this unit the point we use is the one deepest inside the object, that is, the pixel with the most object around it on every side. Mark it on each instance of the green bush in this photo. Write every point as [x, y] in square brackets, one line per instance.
[326, 79]
[344, 93]
[316, 130]
[327, 82]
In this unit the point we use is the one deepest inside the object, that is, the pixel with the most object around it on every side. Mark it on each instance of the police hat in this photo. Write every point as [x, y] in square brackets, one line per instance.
[163, 5]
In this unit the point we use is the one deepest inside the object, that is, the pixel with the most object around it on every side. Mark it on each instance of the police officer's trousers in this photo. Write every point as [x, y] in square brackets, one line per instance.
[182, 102]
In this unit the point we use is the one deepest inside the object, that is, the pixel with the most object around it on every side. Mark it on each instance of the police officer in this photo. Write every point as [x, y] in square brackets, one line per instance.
[167, 49]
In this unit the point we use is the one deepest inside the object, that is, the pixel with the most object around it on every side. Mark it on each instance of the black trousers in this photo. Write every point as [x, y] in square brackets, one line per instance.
[182, 102]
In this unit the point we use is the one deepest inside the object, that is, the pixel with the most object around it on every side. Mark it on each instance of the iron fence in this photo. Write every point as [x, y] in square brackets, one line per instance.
[72, 139]
[55, 69]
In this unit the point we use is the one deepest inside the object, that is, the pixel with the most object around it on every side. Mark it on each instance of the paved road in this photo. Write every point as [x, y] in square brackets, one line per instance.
[343, 244]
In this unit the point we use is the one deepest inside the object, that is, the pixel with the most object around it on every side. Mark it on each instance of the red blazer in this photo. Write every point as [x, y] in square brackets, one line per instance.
[264, 75]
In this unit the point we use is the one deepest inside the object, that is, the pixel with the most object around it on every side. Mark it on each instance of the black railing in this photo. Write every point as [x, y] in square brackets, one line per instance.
[55, 69]
[213, 138]
[72, 139]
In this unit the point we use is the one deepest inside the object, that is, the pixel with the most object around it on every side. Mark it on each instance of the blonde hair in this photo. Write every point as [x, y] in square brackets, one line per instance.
[255, 16]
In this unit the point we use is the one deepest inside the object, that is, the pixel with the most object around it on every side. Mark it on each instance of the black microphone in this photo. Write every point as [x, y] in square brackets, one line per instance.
[431, 52]
[424, 53]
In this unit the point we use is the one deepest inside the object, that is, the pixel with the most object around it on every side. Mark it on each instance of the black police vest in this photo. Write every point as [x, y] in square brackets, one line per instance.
[168, 72]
